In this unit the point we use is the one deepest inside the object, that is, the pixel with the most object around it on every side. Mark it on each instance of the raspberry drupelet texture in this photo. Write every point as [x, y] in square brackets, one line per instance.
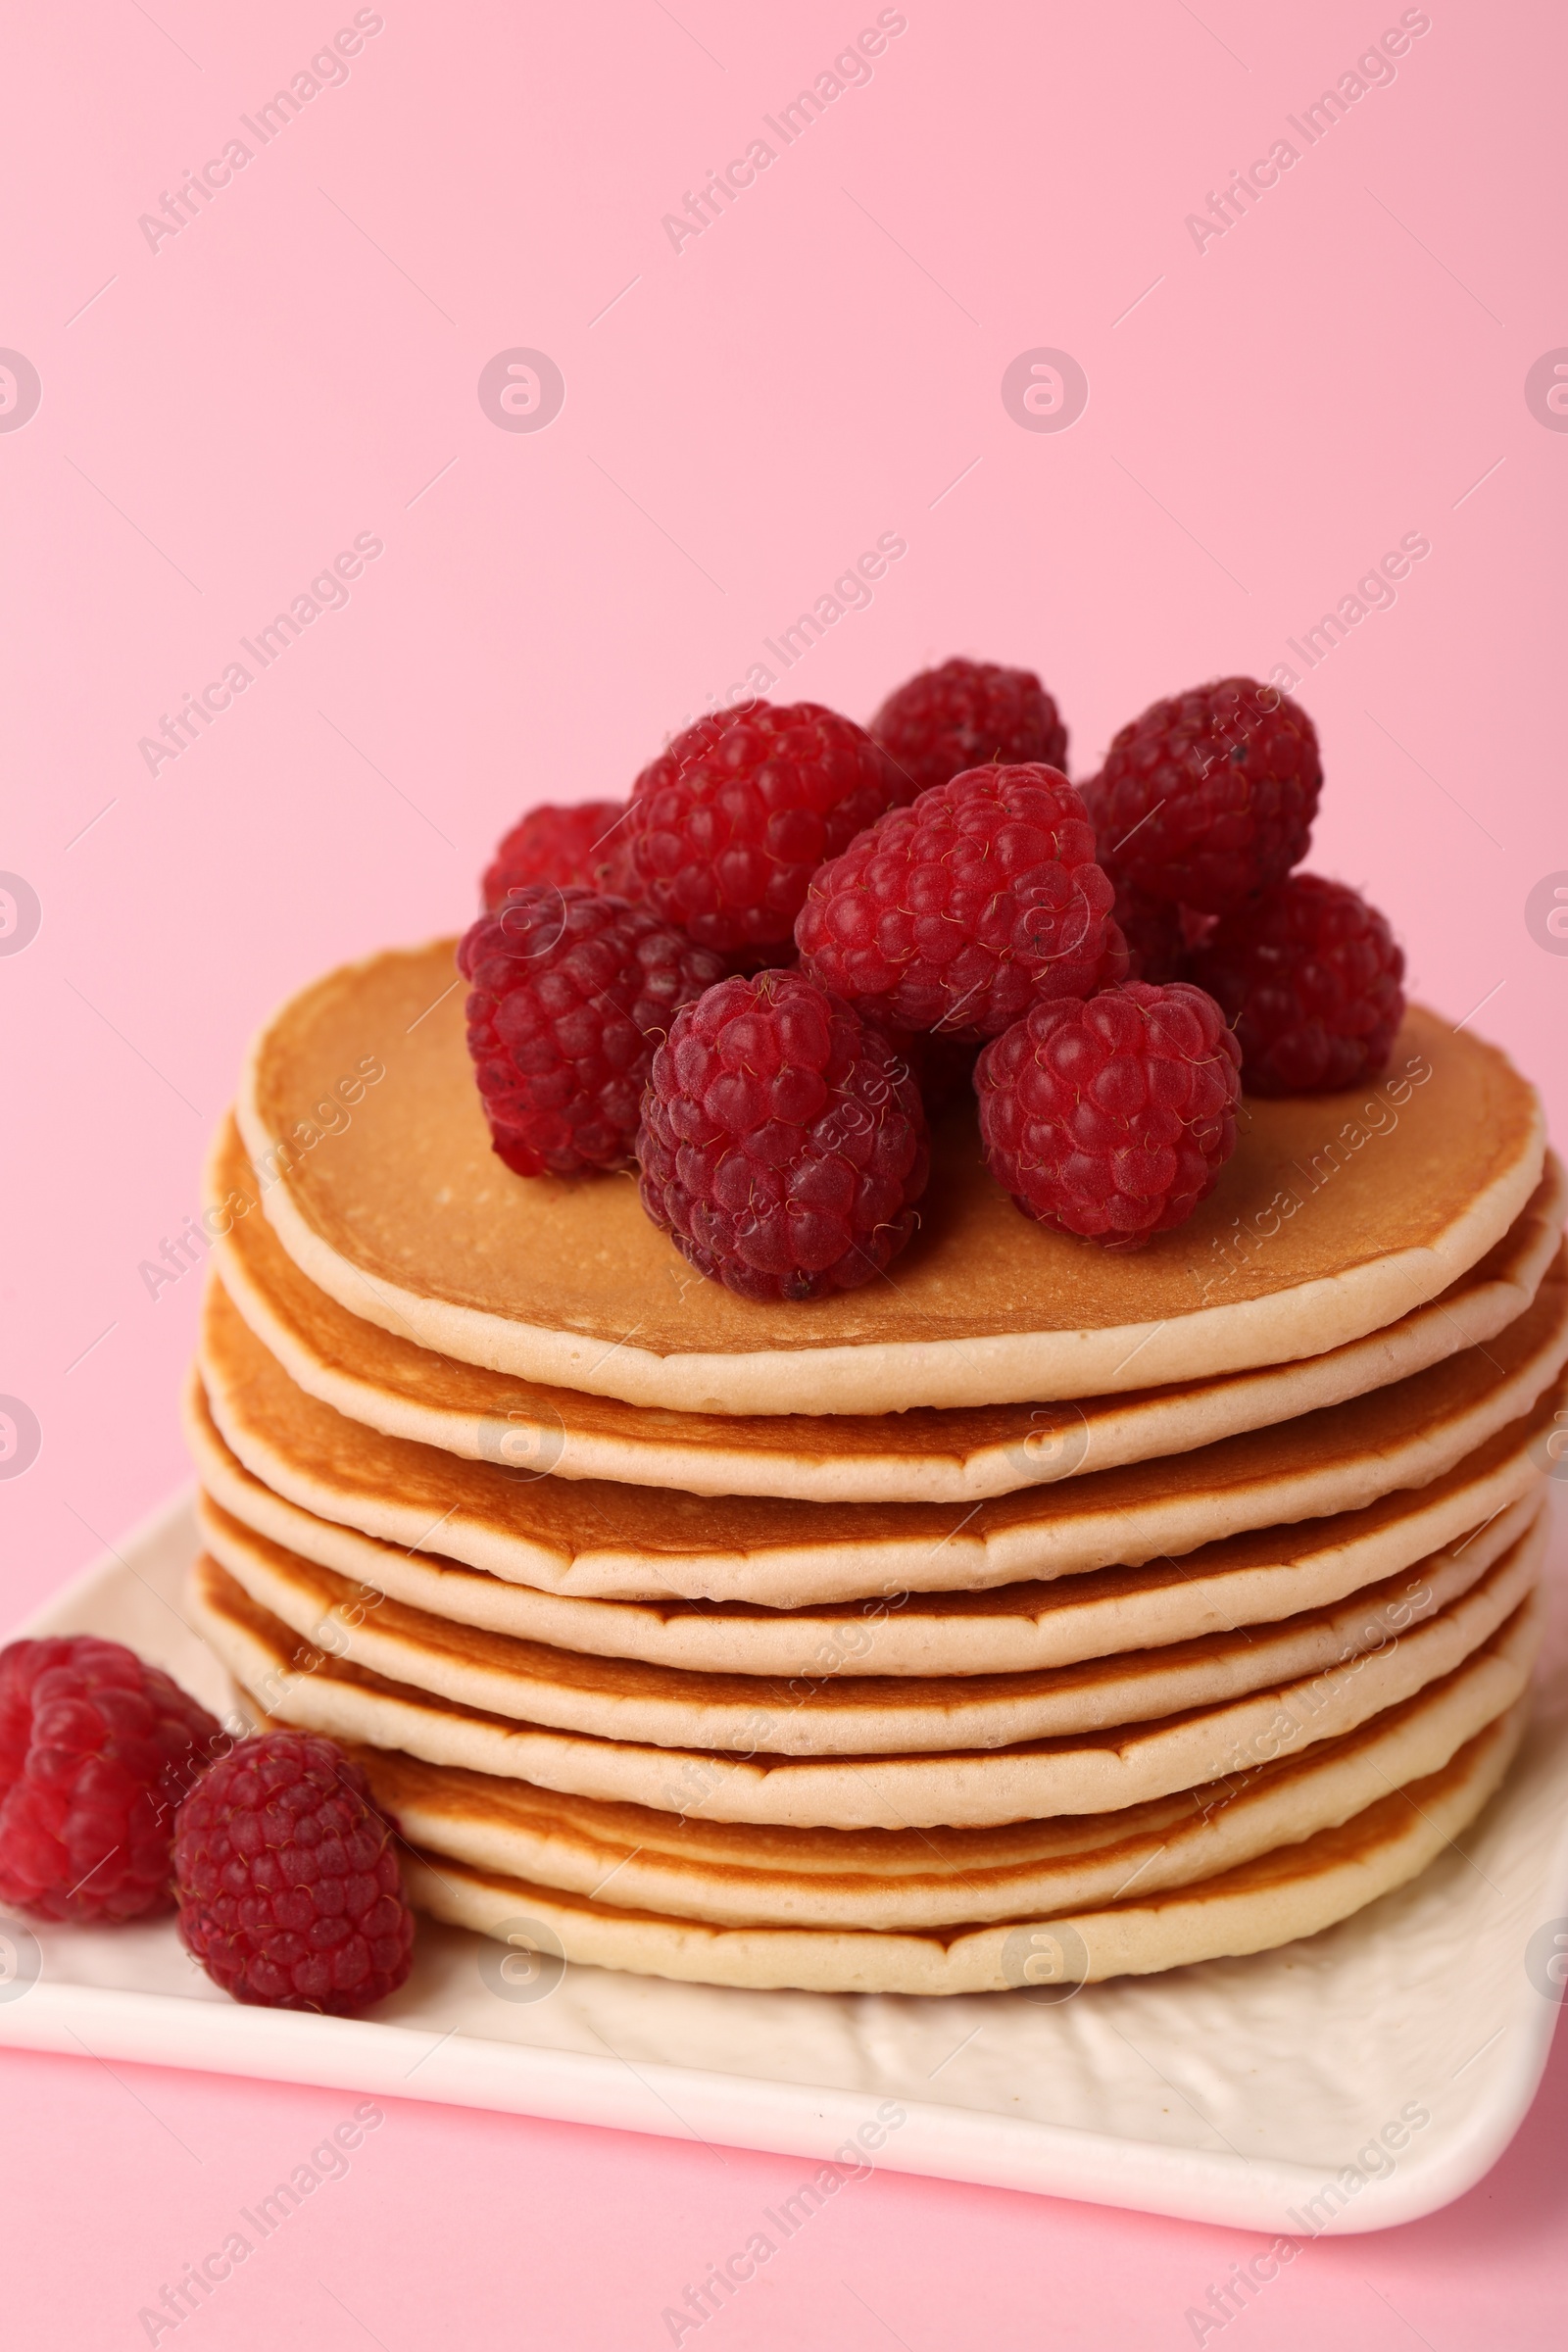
[945, 720]
[961, 912]
[734, 818]
[586, 847]
[1310, 977]
[96, 1749]
[569, 994]
[1210, 797]
[1111, 1118]
[287, 1876]
[783, 1144]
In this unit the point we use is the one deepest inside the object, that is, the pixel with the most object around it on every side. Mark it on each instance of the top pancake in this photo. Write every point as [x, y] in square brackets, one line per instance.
[1337, 1215]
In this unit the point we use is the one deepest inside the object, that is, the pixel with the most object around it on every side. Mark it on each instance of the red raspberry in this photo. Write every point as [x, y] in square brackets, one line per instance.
[736, 816]
[1210, 797]
[572, 993]
[289, 1890]
[586, 846]
[960, 912]
[95, 1751]
[1310, 977]
[783, 1143]
[1113, 1117]
[945, 720]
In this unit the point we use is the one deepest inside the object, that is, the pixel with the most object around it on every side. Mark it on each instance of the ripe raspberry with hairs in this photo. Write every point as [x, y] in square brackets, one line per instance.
[945, 720]
[1210, 797]
[287, 1876]
[735, 818]
[961, 912]
[570, 993]
[95, 1751]
[1310, 977]
[1111, 1118]
[783, 1144]
[586, 846]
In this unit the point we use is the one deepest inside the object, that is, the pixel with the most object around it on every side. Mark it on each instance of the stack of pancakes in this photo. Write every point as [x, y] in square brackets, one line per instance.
[1032, 1612]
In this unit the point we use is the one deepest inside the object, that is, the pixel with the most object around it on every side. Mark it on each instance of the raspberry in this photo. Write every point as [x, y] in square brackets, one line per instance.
[1310, 977]
[936, 726]
[960, 912]
[736, 816]
[95, 1749]
[1115, 1118]
[1210, 797]
[783, 1143]
[586, 846]
[572, 993]
[288, 1884]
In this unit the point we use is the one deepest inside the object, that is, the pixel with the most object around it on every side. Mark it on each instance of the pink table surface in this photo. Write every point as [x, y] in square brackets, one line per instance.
[1360, 357]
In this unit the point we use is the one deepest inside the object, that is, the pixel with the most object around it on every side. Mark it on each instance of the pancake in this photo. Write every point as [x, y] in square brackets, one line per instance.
[1250, 1578]
[960, 1454]
[848, 1714]
[1084, 1772]
[1337, 1215]
[735, 1875]
[1292, 1891]
[591, 1537]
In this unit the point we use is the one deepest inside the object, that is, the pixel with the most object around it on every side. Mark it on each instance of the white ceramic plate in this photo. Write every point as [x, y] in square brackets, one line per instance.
[1358, 2079]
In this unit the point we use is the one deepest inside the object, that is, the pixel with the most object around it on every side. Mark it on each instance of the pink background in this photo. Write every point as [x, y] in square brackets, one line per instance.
[822, 364]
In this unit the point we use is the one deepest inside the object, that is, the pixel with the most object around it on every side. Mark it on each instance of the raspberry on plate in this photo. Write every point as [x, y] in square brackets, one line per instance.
[964, 713]
[586, 845]
[288, 1876]
[961, 912]
[570, 991]
[1210, 797]
[735, 818]
[1310, 978]
[1111, 1118]
[95, 1749]
[783, 1144]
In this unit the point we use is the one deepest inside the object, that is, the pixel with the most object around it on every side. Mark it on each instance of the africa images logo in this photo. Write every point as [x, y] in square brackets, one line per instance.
[1546, 913]
[21, 391]
[1374, 69]
[521, 390]
[1044, 390]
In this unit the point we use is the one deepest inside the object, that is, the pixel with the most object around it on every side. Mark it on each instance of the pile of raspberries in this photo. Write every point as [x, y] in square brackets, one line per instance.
[754, 978]
[121, 1798]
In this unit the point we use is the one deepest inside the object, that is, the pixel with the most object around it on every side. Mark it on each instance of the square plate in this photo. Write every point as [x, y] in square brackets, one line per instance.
[1359, 2079]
